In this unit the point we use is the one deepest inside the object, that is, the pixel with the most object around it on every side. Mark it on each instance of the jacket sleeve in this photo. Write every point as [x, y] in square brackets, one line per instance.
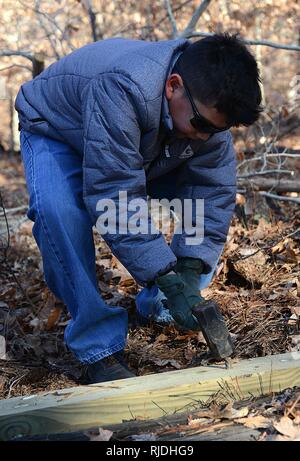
[114, 114]
[209, 175]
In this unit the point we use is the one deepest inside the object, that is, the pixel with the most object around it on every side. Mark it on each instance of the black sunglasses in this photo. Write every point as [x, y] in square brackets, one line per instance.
[199, 122]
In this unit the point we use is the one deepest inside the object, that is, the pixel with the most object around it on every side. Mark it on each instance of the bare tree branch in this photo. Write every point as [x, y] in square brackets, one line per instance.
[152, 27]
[249, 42]
[48, 35]
[267, 184]
[24, 54]
[15, 65]
[280, 197]
[52, 23]
[179, 7]
[87, 5]
[262, 173]
[195, 18]
[171, 17]
[267, 156]
[37, 59]
[13, 210]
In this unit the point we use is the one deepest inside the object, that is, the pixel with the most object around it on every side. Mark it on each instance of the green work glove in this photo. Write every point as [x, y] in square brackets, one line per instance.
[190, 270]
[180, 299]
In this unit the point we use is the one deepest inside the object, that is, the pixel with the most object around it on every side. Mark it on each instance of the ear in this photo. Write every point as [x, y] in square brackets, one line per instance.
[174, 84]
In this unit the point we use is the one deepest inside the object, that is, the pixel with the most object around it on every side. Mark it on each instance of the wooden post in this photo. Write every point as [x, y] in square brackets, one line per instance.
[145, 397]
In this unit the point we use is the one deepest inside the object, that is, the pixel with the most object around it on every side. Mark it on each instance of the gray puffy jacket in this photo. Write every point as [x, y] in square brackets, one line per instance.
[106, 100]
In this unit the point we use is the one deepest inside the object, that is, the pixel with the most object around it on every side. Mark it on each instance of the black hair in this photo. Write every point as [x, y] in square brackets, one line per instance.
[221, 72]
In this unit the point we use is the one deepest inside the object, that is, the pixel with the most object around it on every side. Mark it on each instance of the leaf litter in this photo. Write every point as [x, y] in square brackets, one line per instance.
[257, 287]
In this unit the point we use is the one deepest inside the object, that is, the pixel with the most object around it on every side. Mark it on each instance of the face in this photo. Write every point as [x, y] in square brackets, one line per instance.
[181, 111]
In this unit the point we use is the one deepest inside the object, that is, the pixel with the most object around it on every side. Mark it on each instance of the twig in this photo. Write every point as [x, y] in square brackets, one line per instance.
[4, 261]
[7, 229]
[15, 382]
[55, 26]
[15, 65]
[188, 31]
[268, 247]
[13, 210]
[262, 157]
[261, 173]
[251, 42]
[186, 2]
[280, 197]
[24, 54]
[159, 407]
[171, 17]
[8, 268]
[87, 5]
[280, 185]
[134, 27]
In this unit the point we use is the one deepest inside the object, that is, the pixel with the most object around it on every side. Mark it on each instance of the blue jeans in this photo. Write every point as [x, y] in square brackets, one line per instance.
[63, 232]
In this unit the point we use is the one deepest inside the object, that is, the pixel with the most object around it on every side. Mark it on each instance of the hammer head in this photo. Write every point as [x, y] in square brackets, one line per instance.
[214, 329]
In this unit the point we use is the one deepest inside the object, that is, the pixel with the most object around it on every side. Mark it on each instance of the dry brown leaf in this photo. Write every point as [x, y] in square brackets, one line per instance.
[262, 230]
[287, 427]
[230, 413]
[198, 421]
[296, 310]
[240, 199]
[26, 228]
[161, 338]
[255, 422]
[53, 318]
[162, 363]
[187, 336]
[291, 255]
[254, 268]
[3, 381]
[295, 340]
[103, 435]
[231, 246]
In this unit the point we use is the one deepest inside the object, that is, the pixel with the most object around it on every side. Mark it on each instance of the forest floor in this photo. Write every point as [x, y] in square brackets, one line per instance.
[257, 286]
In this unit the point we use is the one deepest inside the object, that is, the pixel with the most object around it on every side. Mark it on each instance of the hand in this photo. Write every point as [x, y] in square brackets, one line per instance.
[180, 299]
[190, 270]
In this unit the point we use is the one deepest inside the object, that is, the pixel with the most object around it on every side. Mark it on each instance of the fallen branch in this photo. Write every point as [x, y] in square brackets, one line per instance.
[280, 185]
[267, 156]
[280, 197]
[14, 210]
[262, 173]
